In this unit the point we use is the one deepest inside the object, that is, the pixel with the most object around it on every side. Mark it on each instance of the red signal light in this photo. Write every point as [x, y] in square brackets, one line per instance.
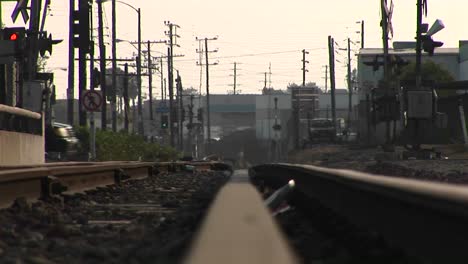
[14, 36]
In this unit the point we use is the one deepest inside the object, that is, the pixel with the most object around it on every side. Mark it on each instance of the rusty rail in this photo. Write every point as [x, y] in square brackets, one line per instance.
[428, 220]
[44, 180]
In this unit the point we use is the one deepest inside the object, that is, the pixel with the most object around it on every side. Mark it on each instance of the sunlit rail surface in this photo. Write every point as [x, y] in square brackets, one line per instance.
[425, 219]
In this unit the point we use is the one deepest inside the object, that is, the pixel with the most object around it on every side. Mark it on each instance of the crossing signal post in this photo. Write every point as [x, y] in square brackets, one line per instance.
[81, 40]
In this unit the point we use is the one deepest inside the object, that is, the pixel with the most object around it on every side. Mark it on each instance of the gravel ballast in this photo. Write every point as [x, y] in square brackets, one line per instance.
[142, 221]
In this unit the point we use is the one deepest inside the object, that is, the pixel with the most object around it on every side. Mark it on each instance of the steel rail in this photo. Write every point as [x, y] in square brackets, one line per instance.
[239, 228]
[428, 220]
[44, 180]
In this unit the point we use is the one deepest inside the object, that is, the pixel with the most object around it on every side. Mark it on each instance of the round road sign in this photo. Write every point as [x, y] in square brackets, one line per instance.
[92, 101]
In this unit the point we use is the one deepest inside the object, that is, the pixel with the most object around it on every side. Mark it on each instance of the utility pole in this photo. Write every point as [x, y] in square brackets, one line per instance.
[190, 125]
[102, 66]
[269, 75]
[331, 51]
[126, 102]
[139, 104]
[114, 68]
[180, 111]
[304, 70]
[235, 77]
[386, 81]
[150, 68]
[235, 84]
[384, 25]
[165, 89]
[326, 78]
[350, 86]
[150, 82]
[419, 6]
[71, 67]
[163, 95]
[207, 95]
[269, 105]
[297, 119]
[208, 124]
[362, 34]
[172, 34]
[83, 5]
[141, 127]
[171, 100]
[92, 127]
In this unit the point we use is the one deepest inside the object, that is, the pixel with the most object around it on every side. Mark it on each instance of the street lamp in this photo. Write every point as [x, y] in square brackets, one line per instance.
[114, 62]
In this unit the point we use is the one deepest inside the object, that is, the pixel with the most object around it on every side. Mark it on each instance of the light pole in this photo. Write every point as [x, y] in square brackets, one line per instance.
[114, 61]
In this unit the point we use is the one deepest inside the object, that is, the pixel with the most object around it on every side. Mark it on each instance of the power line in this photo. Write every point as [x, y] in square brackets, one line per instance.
[255, 54]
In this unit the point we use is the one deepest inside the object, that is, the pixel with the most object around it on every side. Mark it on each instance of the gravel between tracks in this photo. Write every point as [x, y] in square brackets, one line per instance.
[374, 160]
[143, 221]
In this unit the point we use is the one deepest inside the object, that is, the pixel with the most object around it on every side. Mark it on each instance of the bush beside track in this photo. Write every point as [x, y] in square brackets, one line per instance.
[123, 146]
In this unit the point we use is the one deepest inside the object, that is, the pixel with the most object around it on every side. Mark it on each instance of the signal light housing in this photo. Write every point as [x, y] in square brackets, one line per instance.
[45, 43]
[13, 36]
[428, 44]
[16, 35]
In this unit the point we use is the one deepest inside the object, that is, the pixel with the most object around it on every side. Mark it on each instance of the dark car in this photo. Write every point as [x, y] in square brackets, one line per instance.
[60, 142]
[322, 130]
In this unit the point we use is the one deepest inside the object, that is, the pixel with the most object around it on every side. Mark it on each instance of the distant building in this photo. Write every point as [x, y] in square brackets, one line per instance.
[231, 113]
[341, 105]
[306, 98]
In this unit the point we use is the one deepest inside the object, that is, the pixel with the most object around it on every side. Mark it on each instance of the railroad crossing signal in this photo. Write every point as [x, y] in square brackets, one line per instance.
[21, 7]
[92, 100]
[81, 38]
[45, 43]
[429, 44]
[15, 35]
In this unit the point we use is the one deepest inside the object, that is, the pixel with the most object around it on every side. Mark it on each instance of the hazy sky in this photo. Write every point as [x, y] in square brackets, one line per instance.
[254, 34]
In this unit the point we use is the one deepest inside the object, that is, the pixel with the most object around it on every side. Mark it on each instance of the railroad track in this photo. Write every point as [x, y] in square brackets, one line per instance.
[45, 180]
[427, 220]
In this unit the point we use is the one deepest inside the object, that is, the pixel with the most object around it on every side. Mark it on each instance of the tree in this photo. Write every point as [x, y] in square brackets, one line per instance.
[430, 71]
[354, 79]
[42, 63]
[132, 83]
